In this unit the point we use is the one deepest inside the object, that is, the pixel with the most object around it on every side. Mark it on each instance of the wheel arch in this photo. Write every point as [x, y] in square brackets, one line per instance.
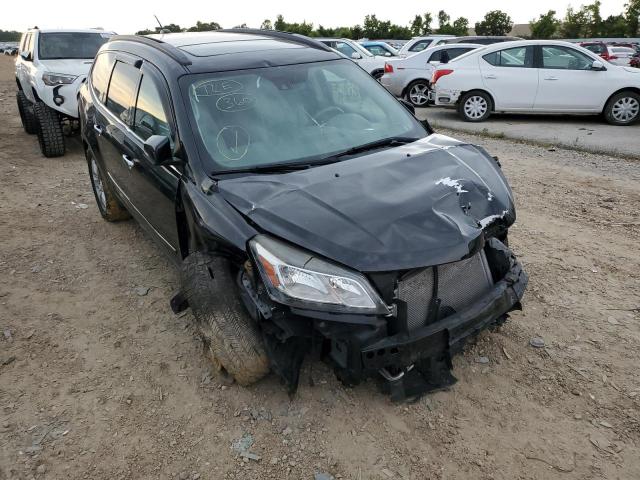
[623, 89]
[482, 90]
[411, 82]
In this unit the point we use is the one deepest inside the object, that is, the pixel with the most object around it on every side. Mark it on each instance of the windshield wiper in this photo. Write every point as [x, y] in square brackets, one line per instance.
[385, 142]
[282, 167]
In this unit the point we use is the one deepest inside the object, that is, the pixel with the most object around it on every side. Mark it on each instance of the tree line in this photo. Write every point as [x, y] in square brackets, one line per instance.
[585, 22]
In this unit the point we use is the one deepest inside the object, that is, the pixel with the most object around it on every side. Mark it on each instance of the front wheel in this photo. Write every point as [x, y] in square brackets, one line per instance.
[27, 116]
[475, 107]
[232, 338]
[623, 109]
[50, 135]
[418, 93]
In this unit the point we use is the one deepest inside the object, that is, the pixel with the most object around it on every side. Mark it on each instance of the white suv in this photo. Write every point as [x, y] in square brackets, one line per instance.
[373, 64]
[50, 68]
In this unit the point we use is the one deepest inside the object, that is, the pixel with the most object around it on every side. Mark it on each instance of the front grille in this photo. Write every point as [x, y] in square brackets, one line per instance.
[459, 284]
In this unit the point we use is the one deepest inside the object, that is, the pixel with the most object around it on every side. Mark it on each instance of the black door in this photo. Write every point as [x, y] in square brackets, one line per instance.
[152, 189]
[111, 123]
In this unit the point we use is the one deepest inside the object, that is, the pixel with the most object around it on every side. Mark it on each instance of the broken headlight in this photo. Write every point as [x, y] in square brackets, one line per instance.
[297, 278]
[53, 79]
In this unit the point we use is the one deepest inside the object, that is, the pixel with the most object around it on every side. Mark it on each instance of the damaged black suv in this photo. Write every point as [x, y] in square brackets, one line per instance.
[309, 211]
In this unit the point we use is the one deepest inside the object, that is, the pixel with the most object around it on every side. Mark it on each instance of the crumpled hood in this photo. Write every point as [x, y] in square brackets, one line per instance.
[417, 205]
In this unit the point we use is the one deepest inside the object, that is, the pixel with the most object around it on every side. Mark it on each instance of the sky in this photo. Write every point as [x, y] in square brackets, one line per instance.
[129, 16]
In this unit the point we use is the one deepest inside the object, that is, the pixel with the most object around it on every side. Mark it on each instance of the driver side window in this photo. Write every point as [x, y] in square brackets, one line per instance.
[150, 117]
[564, 58]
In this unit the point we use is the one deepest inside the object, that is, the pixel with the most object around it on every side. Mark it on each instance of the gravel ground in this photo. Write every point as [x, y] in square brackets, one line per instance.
[98, 379]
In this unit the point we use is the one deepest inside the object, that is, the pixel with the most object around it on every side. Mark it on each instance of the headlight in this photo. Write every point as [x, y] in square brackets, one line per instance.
[53, 79]
[297, 278]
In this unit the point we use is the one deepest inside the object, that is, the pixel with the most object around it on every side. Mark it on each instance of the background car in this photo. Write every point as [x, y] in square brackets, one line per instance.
[409, 77]
[373, 64]
[635, 61]
[538, 76]
[621, 55]
[382, 49]
[483, 40]
[417, 44]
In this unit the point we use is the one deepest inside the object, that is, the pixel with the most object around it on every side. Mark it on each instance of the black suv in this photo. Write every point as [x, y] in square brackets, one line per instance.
[309, 211]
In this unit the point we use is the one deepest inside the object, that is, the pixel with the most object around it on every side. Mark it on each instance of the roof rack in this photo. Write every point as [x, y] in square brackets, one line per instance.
[287, 36]
[171, 50]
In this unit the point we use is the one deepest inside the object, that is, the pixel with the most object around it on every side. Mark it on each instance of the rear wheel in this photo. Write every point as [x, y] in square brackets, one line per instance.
[377, 74]
[232, 338]
[475, 106]
[50, 134]
[110, 208]
[25, 108]
[623, 109]
[418, 93]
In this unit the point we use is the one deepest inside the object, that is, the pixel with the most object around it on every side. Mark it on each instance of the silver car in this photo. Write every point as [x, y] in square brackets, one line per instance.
[410, 77]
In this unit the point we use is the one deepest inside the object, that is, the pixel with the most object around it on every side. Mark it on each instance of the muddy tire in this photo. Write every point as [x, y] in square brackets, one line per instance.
[623, 109]
[109, 206]
[28, 117]
[232, 339]
[50, 133]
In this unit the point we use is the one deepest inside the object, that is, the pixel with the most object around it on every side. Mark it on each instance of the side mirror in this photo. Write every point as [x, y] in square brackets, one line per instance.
[444, 57]
[408, 106]
[26, 56]
[158, 149]
[387, 54]
[356, 56]
[597, 65]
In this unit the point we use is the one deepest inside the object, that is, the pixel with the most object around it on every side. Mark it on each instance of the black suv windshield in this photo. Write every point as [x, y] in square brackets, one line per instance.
[61, 45]
[306, 112]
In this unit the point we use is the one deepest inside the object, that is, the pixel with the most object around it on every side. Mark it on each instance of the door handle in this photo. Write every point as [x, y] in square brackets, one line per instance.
[97, 128]
[551, 78]
[490, 77]
[128, 161]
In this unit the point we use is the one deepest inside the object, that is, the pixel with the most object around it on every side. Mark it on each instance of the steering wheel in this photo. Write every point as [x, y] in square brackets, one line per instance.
[326, 110]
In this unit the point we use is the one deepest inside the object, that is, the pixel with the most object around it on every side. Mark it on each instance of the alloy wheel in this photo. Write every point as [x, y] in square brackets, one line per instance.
[419, 94]
[625, 110]
[97, 183]
[476, 107]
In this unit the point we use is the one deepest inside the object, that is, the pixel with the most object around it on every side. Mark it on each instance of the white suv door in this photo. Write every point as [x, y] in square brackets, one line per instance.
[509, 76]
[568, 82]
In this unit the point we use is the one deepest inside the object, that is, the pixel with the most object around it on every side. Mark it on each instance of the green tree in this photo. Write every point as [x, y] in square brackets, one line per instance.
[632, 16]
[204, 27]
[545, 26]
[614, 26]
[574, 24]
[460, 27]
[171, 27]
[9, 36]
[416, 26]
[421, 25]
[266, 25]
[443, 20]
[593, 19]
[280, 24]
[496, 22]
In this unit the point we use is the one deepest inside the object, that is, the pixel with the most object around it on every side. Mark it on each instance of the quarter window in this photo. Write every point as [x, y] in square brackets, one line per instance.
[419, 46]
[122, 88]
[511, 57]
[345, 49]
[564, 58]
[150, 118]
[100, 74]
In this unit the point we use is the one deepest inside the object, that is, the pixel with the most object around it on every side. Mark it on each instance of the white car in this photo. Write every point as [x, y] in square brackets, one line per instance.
[50, 68]
[371, 63]
[417, 44]
[537, 76]
[409, 77]
[620, 55]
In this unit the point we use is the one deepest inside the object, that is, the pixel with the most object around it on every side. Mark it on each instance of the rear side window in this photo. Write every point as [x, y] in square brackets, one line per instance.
[419, 46]
[511, 57]
[564, 58]
[100, 74]
[150, 117]
[595, 48]
[456, 52]
[122, 89]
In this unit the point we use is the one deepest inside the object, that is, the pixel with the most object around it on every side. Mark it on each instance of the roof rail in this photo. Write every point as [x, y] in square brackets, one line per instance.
[287, 36]
[171, 50]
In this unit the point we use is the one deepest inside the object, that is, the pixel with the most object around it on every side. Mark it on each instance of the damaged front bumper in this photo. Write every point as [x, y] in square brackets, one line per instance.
[412, 361]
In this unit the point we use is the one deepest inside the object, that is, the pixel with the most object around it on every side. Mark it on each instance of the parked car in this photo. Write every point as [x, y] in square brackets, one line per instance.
[635, 62]
[621, 55]
[409, 77]
[49, 71]
[417, 44]
[538, 76]
[11, 51]
[635, 46]
[310, 212]
[483, 39]
[369, 62]
[381, 49]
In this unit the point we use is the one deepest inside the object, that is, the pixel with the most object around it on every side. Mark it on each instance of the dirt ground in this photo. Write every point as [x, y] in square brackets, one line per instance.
[99, 379]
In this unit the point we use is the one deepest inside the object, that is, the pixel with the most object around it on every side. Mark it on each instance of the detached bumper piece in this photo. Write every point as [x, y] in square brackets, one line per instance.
[447, 305]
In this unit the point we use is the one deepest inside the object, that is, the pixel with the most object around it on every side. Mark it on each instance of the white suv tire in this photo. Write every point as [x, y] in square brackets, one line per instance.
[50, 135]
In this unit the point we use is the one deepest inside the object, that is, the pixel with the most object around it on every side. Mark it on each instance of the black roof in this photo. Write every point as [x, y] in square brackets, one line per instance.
[221, 50]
